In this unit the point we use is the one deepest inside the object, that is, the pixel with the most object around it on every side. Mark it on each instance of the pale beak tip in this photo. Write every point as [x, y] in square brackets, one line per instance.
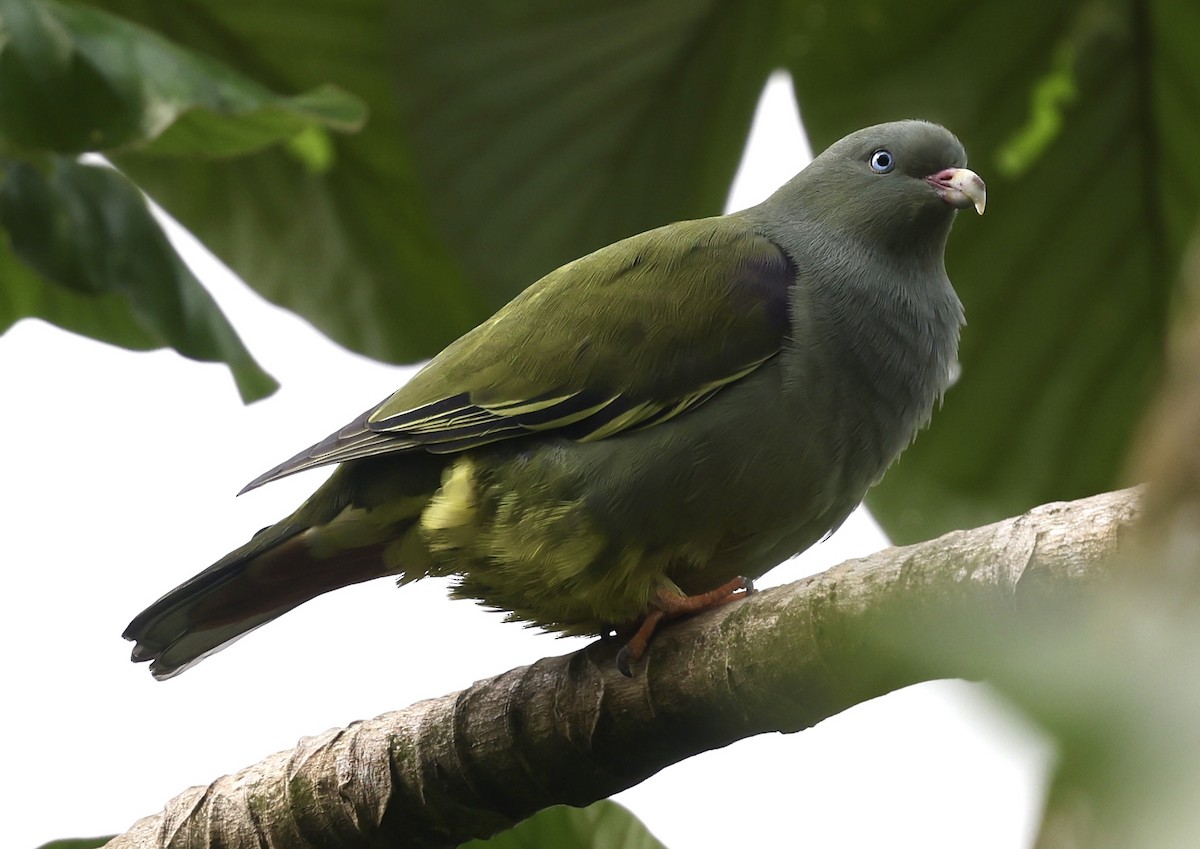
[960, 187]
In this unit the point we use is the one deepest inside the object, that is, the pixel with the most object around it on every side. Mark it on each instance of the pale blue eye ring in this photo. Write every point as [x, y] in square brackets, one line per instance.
[882, 161]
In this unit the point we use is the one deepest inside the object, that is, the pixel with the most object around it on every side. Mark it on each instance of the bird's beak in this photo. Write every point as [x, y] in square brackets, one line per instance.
[960, 187]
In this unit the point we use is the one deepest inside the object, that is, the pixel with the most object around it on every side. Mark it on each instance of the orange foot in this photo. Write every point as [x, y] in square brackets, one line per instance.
[670, 605]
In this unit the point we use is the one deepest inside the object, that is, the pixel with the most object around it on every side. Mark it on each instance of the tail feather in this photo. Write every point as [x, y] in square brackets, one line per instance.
[270, 575]
[355, 527]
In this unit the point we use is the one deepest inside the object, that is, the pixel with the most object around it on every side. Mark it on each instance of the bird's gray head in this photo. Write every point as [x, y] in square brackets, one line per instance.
[894, 185]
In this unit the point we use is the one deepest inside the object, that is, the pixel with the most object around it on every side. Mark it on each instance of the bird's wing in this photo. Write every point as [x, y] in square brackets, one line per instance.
[627, 337]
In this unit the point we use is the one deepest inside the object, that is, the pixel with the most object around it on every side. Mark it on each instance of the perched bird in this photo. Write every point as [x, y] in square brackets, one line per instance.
[644, 430]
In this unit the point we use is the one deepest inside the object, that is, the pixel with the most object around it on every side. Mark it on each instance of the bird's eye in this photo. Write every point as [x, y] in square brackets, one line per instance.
[882, 161]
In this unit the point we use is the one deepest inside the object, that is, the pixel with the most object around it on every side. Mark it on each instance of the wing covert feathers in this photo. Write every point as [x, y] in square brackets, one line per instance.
[628, 337]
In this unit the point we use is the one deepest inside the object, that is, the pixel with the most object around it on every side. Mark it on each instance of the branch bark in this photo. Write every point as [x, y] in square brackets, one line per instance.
[571, 729]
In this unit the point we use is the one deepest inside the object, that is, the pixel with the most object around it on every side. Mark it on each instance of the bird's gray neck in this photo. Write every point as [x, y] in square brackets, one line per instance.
[881, 327]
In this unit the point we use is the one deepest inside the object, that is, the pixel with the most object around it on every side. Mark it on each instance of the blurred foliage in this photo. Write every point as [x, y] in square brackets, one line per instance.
[78, 245]
[89, 254]
[1119, 690]
[77, 843]
[602, 825]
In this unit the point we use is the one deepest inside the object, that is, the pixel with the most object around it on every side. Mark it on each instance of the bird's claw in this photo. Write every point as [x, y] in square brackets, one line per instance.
[623, 658]
[672, 605]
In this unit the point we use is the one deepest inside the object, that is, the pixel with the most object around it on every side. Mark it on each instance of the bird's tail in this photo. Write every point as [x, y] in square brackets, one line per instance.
[273, 573]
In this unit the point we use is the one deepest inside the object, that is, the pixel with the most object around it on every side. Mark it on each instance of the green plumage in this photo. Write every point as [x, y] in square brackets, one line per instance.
[694, 403]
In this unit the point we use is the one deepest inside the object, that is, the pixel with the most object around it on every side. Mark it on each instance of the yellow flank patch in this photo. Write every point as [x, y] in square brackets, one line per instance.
[453, 507]
[557, 538]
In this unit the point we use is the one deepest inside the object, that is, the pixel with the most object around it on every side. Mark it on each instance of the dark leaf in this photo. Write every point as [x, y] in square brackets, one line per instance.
[543, 130]
[602, 825]
[87, 254]
[75, 79]
[77, 843]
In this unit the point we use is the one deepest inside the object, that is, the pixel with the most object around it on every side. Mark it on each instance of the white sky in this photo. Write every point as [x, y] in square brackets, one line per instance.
[119, 475]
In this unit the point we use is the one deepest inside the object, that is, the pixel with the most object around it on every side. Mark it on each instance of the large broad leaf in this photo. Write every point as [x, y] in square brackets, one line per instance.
[603, 825]
[74, 79]
[1081, 117]
[84, 251]
[544, 130]
[351, 246]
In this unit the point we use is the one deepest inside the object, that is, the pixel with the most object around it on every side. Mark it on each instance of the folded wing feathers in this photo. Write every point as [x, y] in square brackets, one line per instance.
[455, 423]
[349, 443]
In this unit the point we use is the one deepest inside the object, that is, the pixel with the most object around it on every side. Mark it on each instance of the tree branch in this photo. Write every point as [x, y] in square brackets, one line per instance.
[572, 730]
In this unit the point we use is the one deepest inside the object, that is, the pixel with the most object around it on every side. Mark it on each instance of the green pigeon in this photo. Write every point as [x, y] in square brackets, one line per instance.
[643, 431]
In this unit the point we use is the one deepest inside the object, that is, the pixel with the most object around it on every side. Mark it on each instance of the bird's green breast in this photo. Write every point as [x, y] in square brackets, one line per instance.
[576, 536]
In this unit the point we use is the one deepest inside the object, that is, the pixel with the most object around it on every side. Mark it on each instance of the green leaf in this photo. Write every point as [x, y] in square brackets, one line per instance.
[546, 130]
[603, 825]
[83, 251]
[1080, 116]
[542, 130]
[78, 843]
[116, 85]
[334, 228]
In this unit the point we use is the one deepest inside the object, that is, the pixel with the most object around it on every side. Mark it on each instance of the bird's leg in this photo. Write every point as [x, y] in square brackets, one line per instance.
[671, 605]
[633, 650]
